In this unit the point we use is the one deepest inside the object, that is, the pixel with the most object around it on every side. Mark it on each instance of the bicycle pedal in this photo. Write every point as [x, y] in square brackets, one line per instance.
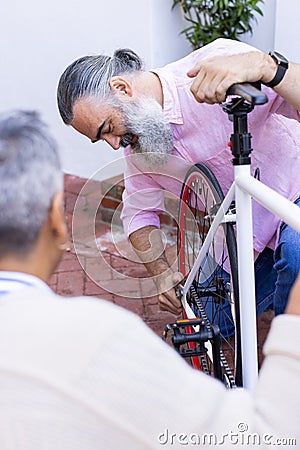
[182, 323]
[189, 322]
[191, 352]
[184, 331]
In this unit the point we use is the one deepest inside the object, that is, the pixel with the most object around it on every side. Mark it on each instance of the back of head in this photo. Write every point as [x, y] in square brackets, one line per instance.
[89, 77]
[30, 175]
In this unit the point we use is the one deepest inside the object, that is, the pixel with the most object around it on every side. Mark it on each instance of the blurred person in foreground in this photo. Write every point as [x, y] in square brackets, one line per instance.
[81, 373]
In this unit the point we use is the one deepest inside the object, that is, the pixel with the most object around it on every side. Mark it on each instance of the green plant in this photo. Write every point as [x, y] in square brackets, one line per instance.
[212, 19]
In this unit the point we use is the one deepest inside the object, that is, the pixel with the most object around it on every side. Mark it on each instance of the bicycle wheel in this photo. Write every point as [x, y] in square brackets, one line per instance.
[214, 294]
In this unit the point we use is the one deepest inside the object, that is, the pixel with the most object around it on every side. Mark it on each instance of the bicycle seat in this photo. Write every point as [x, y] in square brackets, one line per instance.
[248, 92]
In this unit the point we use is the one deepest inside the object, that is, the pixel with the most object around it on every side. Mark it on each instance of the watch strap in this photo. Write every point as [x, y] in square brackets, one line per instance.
[281, 69]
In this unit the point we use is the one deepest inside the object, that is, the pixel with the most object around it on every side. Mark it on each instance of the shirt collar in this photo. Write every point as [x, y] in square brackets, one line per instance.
[12, 281]
[171, 108]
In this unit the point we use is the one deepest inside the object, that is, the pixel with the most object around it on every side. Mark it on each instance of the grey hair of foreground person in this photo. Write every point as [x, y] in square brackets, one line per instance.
[30, 174]
[89, 77]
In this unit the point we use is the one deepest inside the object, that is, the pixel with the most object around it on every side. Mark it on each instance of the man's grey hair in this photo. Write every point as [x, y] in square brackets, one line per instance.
[89, 77]
[30, 175]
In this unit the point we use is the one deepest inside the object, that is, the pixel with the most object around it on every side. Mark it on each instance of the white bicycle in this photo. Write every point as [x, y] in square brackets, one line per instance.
[215, 244]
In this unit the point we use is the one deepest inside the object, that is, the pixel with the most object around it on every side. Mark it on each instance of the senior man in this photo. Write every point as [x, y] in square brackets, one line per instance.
[154, 114]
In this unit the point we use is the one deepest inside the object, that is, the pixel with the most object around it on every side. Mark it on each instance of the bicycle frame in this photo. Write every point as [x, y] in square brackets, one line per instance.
[243, 189]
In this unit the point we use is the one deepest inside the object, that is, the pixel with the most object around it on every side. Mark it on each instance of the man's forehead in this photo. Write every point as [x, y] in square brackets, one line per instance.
[84, 119]
[84, 107]
[87, 116]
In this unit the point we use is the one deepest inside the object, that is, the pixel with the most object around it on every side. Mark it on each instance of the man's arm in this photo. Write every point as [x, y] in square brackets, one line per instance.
[213, 76]
[148, 245]
[289, 87]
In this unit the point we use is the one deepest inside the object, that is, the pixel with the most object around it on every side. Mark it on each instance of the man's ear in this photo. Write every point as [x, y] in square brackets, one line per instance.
[57, 221]
[120, 86]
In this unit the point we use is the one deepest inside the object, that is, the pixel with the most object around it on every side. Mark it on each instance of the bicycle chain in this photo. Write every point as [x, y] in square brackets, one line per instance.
[204, 365]
[224, 362]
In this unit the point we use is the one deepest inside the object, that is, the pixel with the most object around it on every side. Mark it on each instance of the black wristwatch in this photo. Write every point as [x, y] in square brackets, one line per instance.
[282, 66]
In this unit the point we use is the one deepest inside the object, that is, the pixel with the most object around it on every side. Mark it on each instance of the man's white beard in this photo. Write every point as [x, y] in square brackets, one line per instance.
[144, 118]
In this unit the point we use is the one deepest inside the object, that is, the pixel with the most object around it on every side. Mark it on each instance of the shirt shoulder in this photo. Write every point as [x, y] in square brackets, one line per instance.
[218, 47]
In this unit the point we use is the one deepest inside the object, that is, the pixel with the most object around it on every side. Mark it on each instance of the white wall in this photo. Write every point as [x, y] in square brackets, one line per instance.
[263, 36]
[287, 37]
[39, 39]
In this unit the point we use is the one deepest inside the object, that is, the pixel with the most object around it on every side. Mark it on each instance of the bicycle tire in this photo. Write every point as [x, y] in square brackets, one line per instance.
[200, 198]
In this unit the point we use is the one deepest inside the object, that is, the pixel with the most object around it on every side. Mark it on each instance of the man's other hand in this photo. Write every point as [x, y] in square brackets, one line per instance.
[167, 299]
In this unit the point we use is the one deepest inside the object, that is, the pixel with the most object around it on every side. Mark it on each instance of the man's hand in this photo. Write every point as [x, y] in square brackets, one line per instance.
[213, 76]
[167, 299]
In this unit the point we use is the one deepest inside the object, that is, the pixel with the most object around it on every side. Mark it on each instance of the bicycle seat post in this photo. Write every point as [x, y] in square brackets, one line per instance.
[240, 140]
[238, 109]
[246, 97]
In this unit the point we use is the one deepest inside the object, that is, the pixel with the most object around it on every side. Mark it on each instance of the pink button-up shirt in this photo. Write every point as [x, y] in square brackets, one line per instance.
[201, 133]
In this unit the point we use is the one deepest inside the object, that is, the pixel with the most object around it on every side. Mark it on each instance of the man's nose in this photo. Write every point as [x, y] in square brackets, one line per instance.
[113, 141]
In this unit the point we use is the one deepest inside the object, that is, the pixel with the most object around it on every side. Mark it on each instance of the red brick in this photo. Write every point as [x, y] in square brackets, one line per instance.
[98, 269]
[91, 189]
[53, 282]
[158, 326]
[150, 300]
[103, 296]
[107, 258]
[132, 271]
[119, 262]
[69, 265]
[110, 203]
[70, 200]
[73, 183]
[128, 288]
[86, 249]
[70, 283]
[148, 288]
[94, 288]
[151, 312]
[131, 304]
[101, 228]
[114, 191]
[165, 219]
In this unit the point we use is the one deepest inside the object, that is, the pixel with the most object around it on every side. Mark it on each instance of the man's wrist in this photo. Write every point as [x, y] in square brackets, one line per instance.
[161, 272]
[164, 282]
[269, 69]
[282, 65]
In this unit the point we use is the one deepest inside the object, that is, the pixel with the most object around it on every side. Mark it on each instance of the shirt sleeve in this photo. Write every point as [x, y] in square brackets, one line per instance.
[279, 105]
[143, 198]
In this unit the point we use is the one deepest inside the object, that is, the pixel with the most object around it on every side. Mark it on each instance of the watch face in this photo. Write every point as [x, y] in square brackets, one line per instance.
[280, 59]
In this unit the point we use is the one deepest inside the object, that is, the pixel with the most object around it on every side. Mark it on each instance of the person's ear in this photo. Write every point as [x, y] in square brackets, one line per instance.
[120, 86]
[57, 221]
